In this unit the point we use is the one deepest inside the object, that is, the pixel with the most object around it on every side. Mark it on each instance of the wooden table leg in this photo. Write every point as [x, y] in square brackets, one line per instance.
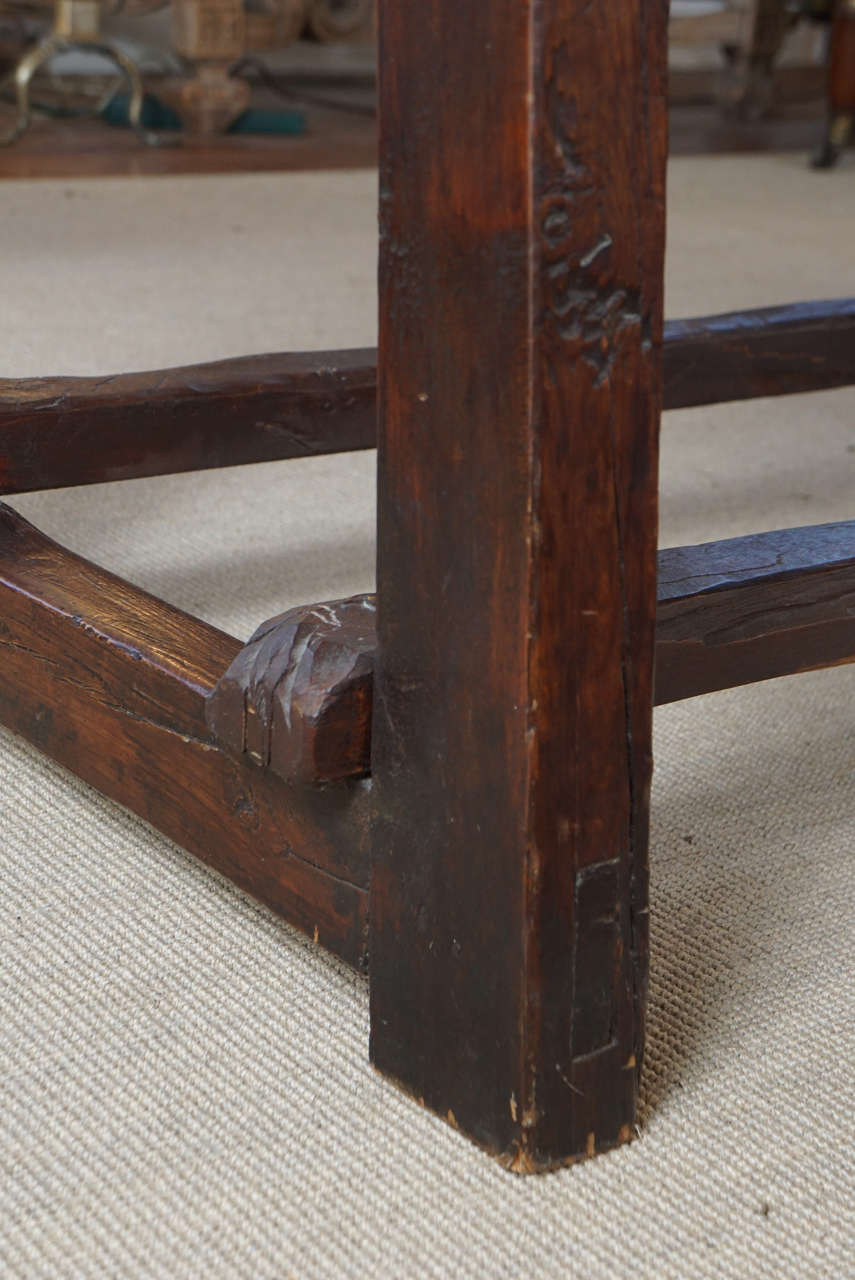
[522, 227]
[750, 92]
[841, 86]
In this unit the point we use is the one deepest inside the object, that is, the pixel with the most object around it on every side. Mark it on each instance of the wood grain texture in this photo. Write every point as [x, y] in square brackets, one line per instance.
[753, 608]
[522, 219]
[773, 351]
[729, 613]
[64, 431]
[112, 683]
[297, 698]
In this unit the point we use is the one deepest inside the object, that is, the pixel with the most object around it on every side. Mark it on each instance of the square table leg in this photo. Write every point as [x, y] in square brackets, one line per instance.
[523, 148]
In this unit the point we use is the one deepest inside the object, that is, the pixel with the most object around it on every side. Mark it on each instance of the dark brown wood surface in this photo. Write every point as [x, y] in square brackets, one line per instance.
[729, 613]
[753, 608]
[522, 219]
[125, 710]
[297, 698]
[112, 683]
[773, 351]
[64, 431]
[841, 61]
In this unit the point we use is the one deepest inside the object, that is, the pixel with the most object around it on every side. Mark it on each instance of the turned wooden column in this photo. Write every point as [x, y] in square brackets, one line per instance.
[522, 228]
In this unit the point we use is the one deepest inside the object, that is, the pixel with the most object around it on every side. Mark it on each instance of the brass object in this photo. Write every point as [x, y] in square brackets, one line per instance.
[76, 25]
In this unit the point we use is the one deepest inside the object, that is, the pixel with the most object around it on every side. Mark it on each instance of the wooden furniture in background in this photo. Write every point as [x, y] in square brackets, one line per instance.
[76, 25]
[210, 37]
[447, 783]
[752, 90]
[753, 65]
[841, 85]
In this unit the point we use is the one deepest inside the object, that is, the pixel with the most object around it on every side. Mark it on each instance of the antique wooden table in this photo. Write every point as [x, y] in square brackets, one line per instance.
[447, 784]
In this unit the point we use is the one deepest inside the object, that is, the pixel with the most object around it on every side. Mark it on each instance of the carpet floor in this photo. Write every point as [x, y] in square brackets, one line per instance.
[184, 1083]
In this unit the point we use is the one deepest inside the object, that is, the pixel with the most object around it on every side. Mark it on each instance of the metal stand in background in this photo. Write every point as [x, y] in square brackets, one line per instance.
[76, 25]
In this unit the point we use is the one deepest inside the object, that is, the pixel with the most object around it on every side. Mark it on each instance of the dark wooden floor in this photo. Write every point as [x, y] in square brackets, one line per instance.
[700, 130]
[56, 148]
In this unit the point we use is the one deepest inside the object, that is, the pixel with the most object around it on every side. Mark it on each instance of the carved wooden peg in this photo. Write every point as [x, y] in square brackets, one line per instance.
[297, 698]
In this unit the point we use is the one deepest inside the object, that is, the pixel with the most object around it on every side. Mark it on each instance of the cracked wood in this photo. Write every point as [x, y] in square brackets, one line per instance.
[753, 608]
[67, 431]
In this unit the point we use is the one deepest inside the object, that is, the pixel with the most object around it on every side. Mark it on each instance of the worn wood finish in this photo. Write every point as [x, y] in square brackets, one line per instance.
[841, 86]
[63, 431]
[112, 683]
[729, 613]
[522, 217]
[510, 684]
[806, 346]
[753, 608]
[297, 698]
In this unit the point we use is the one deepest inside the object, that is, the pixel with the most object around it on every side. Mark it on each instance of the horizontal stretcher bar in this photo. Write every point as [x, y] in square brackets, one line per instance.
[56, 432]
[120, 687]
[298, 698]
[112, 683]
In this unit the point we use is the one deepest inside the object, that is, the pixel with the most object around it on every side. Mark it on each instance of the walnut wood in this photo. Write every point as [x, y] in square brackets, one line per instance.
[729, 613]
[522, 219]
[297, 698]
[66, 431]
[63, 431]
[112, 683]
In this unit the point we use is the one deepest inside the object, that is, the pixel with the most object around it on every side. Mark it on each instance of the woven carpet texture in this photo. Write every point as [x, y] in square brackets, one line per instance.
[184, 1082]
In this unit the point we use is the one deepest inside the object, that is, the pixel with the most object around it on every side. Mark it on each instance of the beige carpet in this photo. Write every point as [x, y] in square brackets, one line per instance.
[184, 1087]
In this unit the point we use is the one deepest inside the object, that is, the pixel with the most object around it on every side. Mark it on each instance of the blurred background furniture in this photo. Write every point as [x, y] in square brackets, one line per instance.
[76, 25]
[760, 41]
[745, 75]
[204, 42]
[841, 85]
